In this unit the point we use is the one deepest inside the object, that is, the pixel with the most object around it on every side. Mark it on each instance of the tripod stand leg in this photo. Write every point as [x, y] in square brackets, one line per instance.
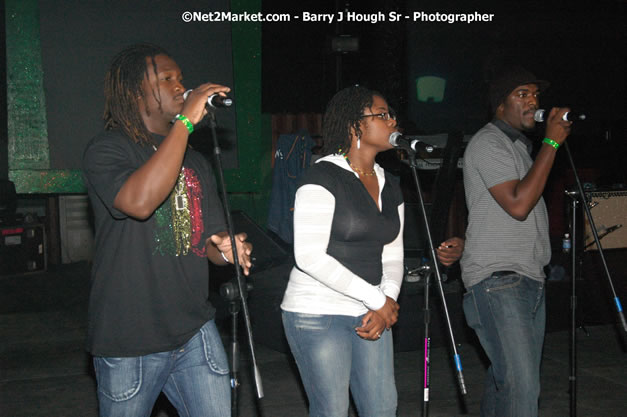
[427, 349]
[234, 310]
[436, 269]
[241, 286]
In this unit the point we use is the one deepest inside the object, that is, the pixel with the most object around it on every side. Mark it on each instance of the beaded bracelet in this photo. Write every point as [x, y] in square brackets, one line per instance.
[186, 122]
[551, 142]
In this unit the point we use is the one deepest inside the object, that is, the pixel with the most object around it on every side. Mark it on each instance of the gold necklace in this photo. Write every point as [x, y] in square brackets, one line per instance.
[358, 170]
[361, 172]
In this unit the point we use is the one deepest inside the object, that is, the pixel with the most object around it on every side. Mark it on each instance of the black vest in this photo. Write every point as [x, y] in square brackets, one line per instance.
[359, 230]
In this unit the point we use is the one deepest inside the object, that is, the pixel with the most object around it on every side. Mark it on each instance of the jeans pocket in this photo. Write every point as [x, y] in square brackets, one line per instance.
[119, 379]
[503, 282]
[471, 312]
[312, 322]
[214, 351]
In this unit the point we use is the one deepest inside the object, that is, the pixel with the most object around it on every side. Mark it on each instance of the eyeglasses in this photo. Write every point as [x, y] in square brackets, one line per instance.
[524, 94]
[383, 116]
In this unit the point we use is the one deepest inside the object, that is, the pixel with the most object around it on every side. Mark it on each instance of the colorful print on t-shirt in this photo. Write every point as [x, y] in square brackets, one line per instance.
[179, 220]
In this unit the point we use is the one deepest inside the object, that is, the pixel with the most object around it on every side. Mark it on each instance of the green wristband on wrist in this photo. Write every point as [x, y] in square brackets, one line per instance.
[551, 142]
[186, 122]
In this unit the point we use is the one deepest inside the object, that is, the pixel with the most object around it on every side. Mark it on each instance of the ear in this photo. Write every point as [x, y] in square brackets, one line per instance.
[141, 104]
[352, 138]
[361, 128]
[499, 110]
[353, 134]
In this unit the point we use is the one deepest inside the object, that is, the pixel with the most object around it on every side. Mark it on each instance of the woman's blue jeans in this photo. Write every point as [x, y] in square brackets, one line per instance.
[507, 311]
[331, 357]
[194, 377]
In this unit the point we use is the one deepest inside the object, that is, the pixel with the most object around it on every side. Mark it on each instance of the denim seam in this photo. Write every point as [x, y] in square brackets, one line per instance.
[474, 303]
[133, 392]
[181, 396]
[210, 357]
[295, 347]
[539, 299]
[499, 336]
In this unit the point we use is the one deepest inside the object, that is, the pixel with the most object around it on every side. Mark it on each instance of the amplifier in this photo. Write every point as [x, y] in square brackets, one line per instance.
[22, 249]
[609, 212]
[435, 163]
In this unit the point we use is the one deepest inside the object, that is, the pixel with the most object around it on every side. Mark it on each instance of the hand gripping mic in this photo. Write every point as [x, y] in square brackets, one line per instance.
[214, 101]
[541, 115]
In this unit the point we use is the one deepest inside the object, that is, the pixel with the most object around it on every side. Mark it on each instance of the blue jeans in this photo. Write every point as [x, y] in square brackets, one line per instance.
[507, 311]
[194, 377]
[331, 358]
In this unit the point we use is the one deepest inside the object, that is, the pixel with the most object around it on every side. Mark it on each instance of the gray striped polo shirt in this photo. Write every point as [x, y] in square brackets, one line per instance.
[495, 241]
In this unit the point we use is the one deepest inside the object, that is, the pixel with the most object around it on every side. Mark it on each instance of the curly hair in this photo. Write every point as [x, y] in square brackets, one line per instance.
[344, 112]
[122, 87]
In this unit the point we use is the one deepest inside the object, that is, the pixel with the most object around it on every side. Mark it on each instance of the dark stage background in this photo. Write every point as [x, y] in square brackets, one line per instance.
[78, 41]
[578, 47]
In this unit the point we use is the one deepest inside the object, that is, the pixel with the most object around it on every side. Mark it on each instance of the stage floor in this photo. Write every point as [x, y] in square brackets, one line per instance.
[44, 370]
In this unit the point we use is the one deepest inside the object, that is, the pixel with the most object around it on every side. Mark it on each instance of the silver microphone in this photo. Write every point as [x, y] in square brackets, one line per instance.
[214, 101]
[409, 144]
[541, 115]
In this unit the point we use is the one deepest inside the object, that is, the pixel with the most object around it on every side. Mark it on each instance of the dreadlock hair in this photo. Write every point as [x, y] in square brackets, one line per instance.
[123, 86]
[344, 111]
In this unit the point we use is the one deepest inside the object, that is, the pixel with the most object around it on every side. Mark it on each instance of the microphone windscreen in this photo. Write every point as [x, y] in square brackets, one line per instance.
[539, 115]
[394, 137]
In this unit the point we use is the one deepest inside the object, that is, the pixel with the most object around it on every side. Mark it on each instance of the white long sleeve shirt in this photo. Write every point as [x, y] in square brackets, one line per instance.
[320, 284]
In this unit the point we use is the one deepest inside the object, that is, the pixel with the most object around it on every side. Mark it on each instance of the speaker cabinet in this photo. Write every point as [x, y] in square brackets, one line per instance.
[22, 249]
[272, 263]
[414, 233]
[264, 302]
[268, 249]
[409, 331]
[609, 213]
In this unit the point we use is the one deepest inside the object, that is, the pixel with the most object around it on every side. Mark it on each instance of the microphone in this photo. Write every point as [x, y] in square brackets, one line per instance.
[409, 144]
[570, 116]
[214, 101]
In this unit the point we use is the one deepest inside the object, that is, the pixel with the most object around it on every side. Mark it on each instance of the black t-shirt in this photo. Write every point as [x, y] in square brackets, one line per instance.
[149, 289]
[359, 230]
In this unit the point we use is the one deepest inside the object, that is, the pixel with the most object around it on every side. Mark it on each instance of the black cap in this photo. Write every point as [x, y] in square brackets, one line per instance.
[507, 80]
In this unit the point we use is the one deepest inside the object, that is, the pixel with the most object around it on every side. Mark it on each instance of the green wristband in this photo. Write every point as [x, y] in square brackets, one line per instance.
[186, 122]
[551, 142]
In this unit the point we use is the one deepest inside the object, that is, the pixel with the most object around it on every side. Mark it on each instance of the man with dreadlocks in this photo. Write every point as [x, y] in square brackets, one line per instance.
[158, 218]
[348, 247]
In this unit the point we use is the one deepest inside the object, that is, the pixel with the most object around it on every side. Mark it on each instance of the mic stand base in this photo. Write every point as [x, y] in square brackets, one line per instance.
[234, 308]
[573, 348]
[436, 269]
[241, 285]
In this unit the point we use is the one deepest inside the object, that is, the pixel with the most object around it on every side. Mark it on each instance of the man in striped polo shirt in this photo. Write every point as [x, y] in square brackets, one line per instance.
[507, 241]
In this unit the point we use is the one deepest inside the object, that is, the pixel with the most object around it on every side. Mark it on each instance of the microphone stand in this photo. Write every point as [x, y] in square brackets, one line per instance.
[242, 289]
[229, 291]
[436, 269]
[572, 379]
[619, 308]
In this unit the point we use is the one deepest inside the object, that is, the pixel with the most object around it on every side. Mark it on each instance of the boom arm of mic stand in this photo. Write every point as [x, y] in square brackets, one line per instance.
[586, 206]
[605, 233]
[238, 272]
[436, 269]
